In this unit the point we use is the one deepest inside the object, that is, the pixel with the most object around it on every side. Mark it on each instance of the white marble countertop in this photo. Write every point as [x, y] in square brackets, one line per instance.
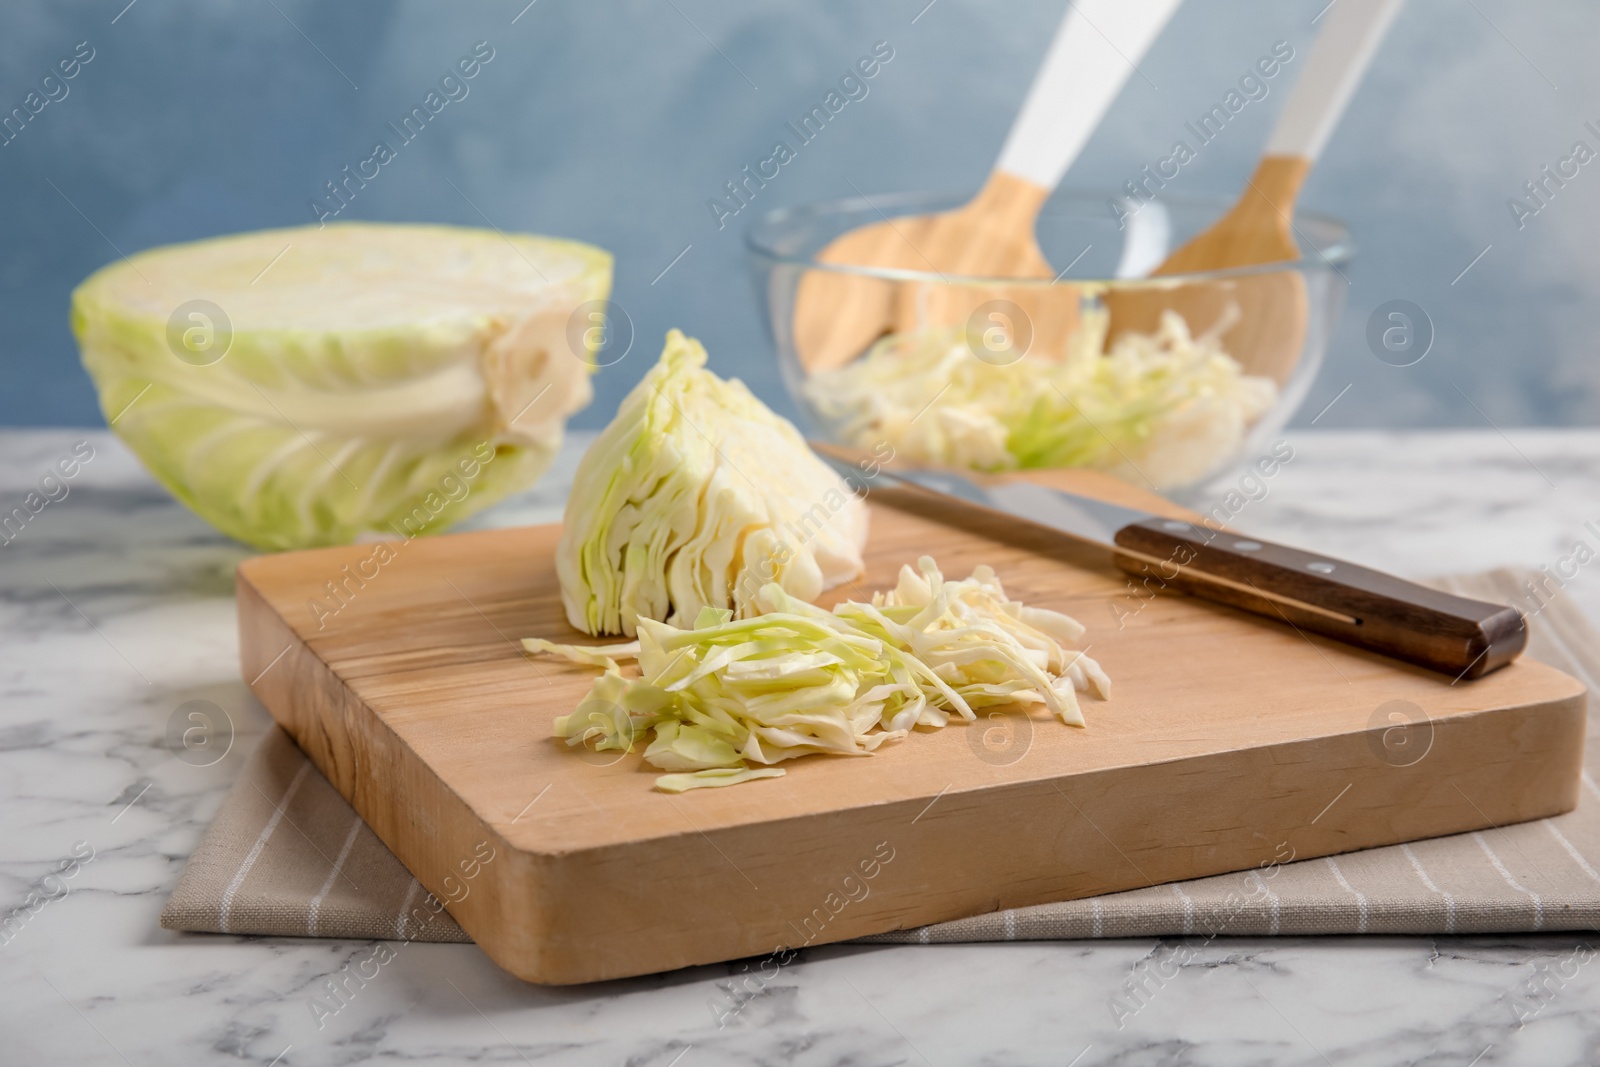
[116, 606]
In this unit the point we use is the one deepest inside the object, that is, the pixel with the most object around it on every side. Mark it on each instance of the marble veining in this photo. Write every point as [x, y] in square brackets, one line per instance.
[116, 607]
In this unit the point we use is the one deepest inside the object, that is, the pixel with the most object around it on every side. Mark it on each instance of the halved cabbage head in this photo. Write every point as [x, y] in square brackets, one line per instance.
[310, 386]
[696, 496]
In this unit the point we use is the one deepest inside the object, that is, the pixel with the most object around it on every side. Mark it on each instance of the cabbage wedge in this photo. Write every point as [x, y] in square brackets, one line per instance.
[697, 495]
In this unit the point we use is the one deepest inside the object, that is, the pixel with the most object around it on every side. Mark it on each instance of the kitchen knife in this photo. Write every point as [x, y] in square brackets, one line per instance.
[1309, 591]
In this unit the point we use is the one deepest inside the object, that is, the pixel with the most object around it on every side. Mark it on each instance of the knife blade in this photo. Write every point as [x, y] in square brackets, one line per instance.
[1360, 606]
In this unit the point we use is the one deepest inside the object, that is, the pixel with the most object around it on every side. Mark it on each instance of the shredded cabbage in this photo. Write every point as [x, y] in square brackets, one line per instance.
[1166, 407]
[696, 495]
[727, 693]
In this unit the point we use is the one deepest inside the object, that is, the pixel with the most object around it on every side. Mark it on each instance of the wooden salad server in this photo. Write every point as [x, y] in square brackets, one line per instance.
[838, 315]
[1270, 331]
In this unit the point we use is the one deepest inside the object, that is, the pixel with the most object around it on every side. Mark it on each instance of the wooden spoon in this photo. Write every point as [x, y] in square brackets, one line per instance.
[1273, 307]
[837, 316]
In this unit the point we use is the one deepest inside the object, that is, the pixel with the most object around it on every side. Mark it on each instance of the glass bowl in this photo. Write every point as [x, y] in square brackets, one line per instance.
[1099, 367]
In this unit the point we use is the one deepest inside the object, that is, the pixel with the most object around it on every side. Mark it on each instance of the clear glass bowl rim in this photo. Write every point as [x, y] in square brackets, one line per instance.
[894, 205]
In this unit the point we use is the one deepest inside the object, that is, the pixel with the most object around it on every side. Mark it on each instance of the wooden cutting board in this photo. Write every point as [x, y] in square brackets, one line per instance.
[1230, 742]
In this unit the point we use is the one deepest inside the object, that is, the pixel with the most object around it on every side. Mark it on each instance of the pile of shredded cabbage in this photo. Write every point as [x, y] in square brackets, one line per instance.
[798, 679]
[1166, 407]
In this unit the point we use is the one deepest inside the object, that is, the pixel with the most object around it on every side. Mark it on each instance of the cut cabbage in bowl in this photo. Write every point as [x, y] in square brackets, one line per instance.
[313, 386]
[1164, 409]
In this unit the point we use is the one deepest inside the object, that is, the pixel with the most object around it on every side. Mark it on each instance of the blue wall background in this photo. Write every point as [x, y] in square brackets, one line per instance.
[614, 122]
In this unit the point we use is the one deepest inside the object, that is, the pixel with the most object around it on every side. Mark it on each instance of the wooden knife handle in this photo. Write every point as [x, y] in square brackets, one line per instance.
[1377, 611]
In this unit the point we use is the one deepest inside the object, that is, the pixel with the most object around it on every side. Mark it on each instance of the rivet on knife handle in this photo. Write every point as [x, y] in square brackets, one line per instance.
[1462, 637]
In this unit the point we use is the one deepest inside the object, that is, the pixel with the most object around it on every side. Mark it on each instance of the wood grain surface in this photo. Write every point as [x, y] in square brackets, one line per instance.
[1227, 738]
